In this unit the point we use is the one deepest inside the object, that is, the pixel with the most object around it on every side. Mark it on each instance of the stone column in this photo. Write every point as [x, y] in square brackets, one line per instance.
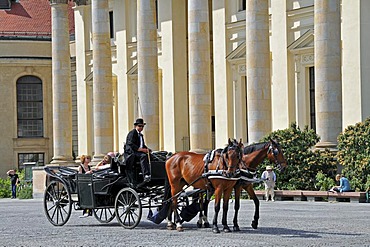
[328, 85]
[102, 79]
[199, 76]
[258, 69]
[174, 59]
[147, 60]
[62, 95]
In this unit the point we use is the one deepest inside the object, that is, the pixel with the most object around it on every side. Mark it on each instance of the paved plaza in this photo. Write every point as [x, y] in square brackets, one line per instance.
[282, 223]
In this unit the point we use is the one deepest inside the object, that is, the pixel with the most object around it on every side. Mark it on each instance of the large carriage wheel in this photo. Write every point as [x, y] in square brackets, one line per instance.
[128, 208]
[57, 203]
[104, 215]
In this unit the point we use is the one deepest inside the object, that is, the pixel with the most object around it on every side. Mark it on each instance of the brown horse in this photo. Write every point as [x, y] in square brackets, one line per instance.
[187, 168]
[253, 155]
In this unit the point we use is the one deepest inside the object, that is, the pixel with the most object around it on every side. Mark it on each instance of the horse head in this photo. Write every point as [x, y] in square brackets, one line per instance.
[276, 156]
[233, 154]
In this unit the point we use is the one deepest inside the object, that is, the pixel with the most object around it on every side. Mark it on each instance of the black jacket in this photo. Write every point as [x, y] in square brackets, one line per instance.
[132, 142]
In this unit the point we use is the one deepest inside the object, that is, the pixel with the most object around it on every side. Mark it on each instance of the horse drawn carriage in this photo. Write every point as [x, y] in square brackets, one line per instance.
[110, 193]
[118, 192]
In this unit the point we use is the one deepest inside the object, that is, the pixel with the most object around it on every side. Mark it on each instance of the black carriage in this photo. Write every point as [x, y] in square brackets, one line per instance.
[115, 192]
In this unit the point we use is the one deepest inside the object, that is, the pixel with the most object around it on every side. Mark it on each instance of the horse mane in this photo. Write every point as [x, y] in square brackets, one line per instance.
[254, 147]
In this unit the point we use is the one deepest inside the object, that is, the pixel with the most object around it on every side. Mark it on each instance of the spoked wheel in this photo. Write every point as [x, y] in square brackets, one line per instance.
[128, 208]
[104, 215]
[57, 203]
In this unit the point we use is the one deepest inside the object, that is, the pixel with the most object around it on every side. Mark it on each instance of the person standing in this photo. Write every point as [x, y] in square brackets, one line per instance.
[269, 178]
[135, 145]
[14, 179]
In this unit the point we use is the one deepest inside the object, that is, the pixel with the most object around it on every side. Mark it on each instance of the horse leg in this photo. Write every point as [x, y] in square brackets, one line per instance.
[175, 188]
[199, 222]
[237, 189]
[251, 193]
[217, 210]
[200, 219]
[205, 211]
[170, 224]
[177, 218]
[225, 208]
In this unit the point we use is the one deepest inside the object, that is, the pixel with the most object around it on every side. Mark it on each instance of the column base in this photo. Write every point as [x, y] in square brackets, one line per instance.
[332, 146]
[63, 161]
[96, 159]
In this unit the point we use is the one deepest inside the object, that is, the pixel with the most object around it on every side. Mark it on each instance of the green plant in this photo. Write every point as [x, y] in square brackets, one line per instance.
[25, 190]
[323, 182]
[303, 162]
[367, 185]
[354, 154]
[5, 188]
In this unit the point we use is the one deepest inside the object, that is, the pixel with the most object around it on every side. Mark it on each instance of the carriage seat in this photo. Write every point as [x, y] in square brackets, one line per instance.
[131, 167]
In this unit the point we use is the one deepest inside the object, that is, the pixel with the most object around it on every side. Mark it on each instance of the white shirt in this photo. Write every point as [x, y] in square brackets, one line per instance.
[141, 139]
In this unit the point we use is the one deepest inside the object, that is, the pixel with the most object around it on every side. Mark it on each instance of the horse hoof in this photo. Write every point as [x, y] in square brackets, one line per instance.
[254, 225]
[215, 230]
[172, 227]
[180, 229]
[207, 225]
[199, 225]
[227, 229]
[236, 229]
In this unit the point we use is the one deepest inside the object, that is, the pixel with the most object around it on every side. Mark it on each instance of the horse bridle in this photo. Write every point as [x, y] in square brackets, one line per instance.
[275, 151]
[239, 152]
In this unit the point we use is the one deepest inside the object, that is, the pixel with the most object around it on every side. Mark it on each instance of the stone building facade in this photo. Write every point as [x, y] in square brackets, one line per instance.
[208, 80]
[201, 71]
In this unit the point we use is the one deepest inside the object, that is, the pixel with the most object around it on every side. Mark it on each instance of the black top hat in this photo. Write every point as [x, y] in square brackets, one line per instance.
[139, 121]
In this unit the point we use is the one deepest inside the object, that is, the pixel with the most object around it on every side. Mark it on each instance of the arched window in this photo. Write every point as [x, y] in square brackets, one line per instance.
[29, 107]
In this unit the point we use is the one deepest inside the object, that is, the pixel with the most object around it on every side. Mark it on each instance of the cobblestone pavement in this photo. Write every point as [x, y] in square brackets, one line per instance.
[282, 223]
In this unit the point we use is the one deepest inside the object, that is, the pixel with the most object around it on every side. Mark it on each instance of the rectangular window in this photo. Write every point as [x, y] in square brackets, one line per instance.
[29, 107]
[242, 5]
[156, 13]
[111, 25]
[30, 157]
[312, 98]
[28, 160]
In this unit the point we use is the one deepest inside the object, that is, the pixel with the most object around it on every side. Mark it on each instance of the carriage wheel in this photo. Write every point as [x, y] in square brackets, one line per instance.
[57, 203]
[104, 215]
[128, 208]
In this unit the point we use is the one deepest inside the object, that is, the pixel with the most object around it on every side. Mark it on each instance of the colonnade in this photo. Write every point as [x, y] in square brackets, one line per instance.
[327, 68]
